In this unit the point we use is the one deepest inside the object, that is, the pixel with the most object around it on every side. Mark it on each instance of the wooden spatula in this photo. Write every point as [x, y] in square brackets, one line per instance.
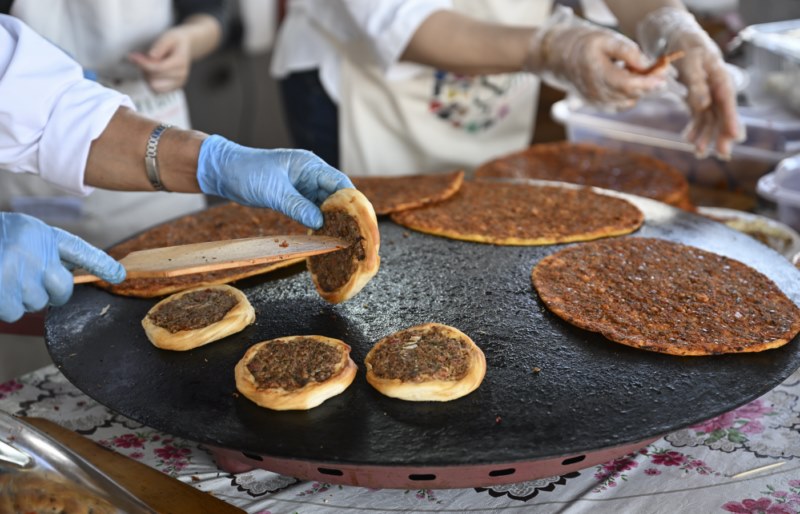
[172, 261]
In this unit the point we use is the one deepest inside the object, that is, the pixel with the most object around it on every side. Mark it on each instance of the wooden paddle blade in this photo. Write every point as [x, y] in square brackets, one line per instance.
[172, 261]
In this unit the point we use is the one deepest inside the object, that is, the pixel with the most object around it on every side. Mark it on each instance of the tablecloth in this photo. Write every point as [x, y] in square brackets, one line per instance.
[703, 468]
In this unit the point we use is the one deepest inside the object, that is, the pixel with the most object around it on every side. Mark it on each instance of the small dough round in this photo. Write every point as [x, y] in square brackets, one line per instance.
[235, 319]
[430, 362]
[340, 275]
[296, 372]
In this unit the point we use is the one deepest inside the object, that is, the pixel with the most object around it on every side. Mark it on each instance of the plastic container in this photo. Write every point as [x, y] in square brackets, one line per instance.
[782, 187]
[772, 52]
[655, 127]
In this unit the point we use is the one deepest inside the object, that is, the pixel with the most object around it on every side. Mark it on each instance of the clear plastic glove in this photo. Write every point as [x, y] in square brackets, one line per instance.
[710, 93]
[33, 265]
[584, 59]
[167, 63]
[293, 182]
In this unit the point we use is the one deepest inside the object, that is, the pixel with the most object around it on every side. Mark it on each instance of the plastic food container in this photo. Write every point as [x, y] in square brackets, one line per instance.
[655, 125]
[782, 187]
[772, 51]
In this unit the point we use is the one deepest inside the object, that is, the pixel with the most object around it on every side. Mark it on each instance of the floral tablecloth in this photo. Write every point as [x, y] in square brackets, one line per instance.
[745, 461]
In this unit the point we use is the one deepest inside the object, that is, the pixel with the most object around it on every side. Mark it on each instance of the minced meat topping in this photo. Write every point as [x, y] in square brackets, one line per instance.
[334, 269]
[509, 213]
[194, 310]
[294, 363]
[420, 355]
[666, 297]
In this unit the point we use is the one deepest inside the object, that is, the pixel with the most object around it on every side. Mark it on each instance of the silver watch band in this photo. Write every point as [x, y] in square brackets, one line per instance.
[151, 157]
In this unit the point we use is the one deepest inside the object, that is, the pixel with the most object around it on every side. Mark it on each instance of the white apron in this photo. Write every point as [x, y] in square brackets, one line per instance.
[437, 121]
[99, 34]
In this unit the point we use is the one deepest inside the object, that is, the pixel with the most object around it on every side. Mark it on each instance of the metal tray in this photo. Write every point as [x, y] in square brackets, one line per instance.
[25, 449]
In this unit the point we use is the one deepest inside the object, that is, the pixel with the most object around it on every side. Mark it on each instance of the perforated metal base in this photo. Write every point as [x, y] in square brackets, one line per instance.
[430, 477]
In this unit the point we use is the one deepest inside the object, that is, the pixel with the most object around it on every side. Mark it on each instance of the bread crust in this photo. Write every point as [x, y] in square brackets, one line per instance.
[306, 397]
[235, 320]
[429, 389]
[354, 204]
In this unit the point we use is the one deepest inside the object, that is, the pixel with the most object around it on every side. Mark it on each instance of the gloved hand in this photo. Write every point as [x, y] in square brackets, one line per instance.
[709, 89]
[288, 181]
[585, 59]
[32, 264]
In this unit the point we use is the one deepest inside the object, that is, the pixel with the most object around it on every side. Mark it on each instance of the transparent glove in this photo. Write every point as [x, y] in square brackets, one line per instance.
[710, 94]
[33, 265]
[293, 182]
[584, 59]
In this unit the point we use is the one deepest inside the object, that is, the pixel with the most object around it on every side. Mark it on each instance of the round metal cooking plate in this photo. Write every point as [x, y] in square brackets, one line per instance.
[588, 393]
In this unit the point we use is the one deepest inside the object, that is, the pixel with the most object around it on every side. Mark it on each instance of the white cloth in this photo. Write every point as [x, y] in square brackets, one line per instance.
[399, 118]
[100, 34]
[259, 24]
[49, 114]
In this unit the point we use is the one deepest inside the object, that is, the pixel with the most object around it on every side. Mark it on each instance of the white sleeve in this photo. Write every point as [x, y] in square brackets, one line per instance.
[390, 24]
[49, 114]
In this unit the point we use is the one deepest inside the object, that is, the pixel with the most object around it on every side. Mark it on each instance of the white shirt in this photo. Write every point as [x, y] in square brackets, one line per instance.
[305, 38]
[49, 114]
[399, 118]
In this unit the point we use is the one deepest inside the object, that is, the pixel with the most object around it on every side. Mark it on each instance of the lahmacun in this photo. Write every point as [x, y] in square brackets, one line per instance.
[295, 372]
[666, 297]
[430, 362]
[340, 275]
[197, 316]
[592, 165]
[524, 214]
[398, 193]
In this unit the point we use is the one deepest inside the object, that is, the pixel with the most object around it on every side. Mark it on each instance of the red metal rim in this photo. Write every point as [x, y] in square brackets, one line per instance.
[410, 477]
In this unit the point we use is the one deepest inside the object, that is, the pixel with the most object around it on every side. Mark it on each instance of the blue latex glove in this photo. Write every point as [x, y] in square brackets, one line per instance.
[33, 260]
[293, 182]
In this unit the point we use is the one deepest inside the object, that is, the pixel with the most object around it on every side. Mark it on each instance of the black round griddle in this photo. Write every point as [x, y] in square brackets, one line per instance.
[589, 393]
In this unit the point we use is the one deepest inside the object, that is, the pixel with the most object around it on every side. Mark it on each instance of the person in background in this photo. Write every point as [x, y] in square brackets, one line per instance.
[79, 135]
[411, 86]
[143, 49]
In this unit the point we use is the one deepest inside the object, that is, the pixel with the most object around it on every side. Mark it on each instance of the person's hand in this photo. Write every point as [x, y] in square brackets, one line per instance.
[590, 61]
[33, 265]
[710, 94]
[293, 182]
[167, 63]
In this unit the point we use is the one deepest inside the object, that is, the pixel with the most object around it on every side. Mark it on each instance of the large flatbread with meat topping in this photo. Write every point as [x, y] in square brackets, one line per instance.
[592, 165]
[430, 362]
[295, 372]
[666, 297]
[218, 223]
[197, 316]
[523, 214]
[398, 193]
[340, 275]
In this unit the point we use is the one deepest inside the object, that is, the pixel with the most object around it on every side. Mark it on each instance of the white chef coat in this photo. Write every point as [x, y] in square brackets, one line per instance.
[99, 34]
[49, 114]
[401, 118]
